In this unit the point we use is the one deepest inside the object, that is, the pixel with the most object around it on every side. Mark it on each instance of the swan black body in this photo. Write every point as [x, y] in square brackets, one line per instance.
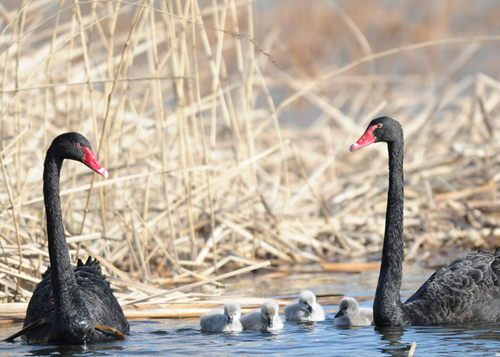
[68, 304]
[465, 290]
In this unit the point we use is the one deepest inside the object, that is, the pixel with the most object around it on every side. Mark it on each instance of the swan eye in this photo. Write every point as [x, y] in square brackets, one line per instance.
[379, 125]
[78, 145]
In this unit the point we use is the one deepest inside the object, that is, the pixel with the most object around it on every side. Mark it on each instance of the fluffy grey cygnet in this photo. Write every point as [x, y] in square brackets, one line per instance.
[264, 319]
[305, 309]
[350, 314]
[222, 320]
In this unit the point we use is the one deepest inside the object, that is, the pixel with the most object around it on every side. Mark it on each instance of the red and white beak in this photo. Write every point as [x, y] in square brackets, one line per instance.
[366, 139]
[90, 159]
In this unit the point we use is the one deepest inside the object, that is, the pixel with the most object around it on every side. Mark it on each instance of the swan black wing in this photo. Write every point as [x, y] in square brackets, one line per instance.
[464, 289]
[99, 296]
[100, 301]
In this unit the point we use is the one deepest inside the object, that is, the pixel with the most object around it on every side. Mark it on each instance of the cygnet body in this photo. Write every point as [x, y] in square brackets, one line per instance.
[350, 314]
[305, 309]
[222, 320]
[264, 319]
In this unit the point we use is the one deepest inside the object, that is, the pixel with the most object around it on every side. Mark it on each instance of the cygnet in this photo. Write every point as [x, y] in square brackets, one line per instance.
[305, 309]
[222, 320]
[350, 314]
[264, 319]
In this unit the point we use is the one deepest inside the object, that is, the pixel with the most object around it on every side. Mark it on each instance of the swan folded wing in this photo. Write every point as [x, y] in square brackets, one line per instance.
[464, 289]
[41, 305]
[103, 306]
[105, 310]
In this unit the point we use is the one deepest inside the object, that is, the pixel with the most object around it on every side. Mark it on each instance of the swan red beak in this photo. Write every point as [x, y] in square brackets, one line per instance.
[90, 159]
[366, 139]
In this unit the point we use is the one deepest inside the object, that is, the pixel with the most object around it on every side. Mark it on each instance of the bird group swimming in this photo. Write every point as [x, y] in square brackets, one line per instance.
[267, 319]
[76, 305]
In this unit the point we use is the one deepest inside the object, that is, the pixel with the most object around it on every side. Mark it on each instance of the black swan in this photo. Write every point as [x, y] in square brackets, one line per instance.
[464, 290]
[70, 306]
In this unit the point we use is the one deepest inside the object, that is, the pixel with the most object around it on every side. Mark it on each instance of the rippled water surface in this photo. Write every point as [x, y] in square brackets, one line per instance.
[180, 337]
[183, 337]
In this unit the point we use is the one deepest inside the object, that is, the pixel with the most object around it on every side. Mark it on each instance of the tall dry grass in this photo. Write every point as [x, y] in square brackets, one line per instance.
[188, 105]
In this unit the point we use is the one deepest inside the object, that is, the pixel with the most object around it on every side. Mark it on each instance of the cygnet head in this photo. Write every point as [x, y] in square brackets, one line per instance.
[348, 307]
[307, 299]
[268, 311]
[232, 311]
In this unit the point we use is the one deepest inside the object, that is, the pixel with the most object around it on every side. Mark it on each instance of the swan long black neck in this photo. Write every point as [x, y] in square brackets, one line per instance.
[387, 307]
[70, 307]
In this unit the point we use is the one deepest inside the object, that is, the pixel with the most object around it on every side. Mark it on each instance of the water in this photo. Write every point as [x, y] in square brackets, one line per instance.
[181, 337]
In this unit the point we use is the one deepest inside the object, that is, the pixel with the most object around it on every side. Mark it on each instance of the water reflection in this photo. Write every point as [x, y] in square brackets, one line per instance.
[107, 349]
[393, 336]
[307, 325]
[471, 338]
[453, 340]
[183, 337]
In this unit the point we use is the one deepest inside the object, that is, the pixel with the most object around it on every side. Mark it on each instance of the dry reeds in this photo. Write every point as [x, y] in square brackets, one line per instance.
[187, 111]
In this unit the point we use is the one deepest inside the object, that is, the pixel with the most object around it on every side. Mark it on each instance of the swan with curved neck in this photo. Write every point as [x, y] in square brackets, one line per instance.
[464, 290]
[70, 306]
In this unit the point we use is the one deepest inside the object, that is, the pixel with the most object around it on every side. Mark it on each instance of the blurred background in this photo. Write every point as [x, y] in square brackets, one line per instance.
[230, 122]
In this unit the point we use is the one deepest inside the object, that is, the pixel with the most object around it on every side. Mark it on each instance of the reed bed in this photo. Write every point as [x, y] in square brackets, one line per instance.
[198, 114]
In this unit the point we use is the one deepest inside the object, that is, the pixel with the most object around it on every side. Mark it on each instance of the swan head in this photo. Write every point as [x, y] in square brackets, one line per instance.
[74, 146]
[307, 299]
[232, 312]
[380, 129]
[347, 307]
[269, 311]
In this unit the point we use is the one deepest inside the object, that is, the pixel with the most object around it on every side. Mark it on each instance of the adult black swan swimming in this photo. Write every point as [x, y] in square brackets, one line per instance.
[464, 290]
[70, 306]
